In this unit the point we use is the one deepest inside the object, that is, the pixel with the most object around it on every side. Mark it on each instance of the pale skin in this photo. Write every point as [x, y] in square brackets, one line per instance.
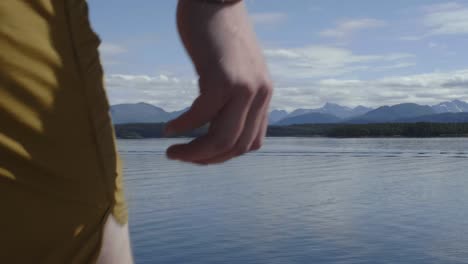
[235, 87]
[235, 92]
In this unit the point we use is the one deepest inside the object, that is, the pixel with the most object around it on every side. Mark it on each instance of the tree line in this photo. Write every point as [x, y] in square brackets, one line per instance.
[150, 130]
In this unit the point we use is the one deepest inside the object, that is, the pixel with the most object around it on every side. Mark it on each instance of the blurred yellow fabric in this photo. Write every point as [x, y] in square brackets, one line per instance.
[60, 175]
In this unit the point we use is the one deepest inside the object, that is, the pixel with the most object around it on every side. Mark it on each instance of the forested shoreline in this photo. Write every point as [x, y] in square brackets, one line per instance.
[423, 130]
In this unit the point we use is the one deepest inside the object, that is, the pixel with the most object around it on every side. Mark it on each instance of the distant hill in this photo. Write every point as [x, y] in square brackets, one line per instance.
[141, 113]
[343, 111]
[339, 111]
[300, 111]
[310, 118]
[138, 113]
[439, 118]
[328, 114]
[361, 110]
[147, 113]
[139, 131]
[387, 114]
[276, 115]
[455, 106]
[175, 114]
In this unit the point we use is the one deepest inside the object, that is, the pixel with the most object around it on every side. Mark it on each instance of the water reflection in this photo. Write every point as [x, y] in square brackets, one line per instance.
[303, 201]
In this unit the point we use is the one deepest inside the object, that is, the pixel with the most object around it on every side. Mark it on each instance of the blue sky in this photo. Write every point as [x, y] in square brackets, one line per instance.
[360, 52]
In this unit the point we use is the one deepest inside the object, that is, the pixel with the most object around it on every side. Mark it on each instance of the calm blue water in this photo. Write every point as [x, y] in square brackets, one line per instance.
[302, 201]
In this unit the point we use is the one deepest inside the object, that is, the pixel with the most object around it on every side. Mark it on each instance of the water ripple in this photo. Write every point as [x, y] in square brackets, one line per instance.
[302, 201]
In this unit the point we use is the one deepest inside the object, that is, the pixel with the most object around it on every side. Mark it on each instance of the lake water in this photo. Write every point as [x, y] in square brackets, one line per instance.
[302, 200]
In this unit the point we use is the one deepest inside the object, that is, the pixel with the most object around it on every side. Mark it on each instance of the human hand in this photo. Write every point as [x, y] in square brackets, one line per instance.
[235, 87]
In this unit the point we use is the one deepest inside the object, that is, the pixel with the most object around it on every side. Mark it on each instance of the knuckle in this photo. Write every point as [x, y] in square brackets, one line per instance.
[268, 84]
[247, 91]
[264, 92]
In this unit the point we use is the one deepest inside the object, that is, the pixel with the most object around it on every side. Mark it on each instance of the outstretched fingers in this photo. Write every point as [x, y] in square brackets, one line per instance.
[254, 125]
[224, 132]
[258, 142]
[202, 111]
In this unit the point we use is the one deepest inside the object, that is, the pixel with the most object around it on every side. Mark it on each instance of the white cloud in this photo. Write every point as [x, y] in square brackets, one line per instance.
[268, 18]
[442, 19]
[347, 28]
[164, 78]
[111, 49]
[442, 7]
[412, 38]
[165, 91]
[431, 88]
[326, 61]
[433, 45]
[399, 65]
[446, 19]
[173, 94]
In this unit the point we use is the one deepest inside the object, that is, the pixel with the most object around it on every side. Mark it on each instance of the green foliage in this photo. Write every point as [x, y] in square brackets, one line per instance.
[143, 130]
[149, 130]
[300, 130]
[136, 131]
[374, 130]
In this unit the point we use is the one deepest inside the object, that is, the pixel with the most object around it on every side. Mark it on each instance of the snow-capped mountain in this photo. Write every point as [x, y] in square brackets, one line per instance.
[455, 106]
[339, 111]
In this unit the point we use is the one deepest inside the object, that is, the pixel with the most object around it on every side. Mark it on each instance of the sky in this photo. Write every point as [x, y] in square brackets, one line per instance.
[360, 52]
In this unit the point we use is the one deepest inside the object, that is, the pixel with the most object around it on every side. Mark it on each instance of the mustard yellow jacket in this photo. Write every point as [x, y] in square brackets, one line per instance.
[59, 172]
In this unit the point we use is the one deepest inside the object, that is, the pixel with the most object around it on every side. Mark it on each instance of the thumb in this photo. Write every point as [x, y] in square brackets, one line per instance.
[203, 110]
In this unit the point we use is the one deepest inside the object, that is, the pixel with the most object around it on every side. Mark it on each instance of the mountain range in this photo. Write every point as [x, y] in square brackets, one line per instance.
[339, 111]
[141, 113]
[455, 106]
[447, 112]
[387, 114]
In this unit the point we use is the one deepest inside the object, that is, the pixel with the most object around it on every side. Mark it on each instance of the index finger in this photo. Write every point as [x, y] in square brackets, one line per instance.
[222, 136]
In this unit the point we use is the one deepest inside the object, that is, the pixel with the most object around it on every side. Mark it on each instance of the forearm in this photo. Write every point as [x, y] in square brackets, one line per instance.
[235, 87]
[208, 30]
